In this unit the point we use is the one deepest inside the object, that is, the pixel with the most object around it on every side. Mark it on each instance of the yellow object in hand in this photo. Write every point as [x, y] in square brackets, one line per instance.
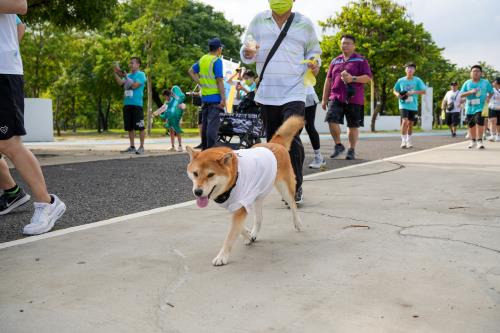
[309, 77]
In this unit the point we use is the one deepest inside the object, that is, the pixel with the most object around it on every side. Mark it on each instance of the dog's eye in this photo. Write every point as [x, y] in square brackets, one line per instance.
[210, 175]
[195, 174]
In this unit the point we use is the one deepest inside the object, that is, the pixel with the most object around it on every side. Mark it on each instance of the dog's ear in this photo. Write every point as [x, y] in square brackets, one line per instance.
[192, 153]
[226, 158]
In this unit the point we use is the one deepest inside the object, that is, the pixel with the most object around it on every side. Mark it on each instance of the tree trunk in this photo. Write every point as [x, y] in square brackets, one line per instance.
[150, 88]
[58, 108]
[73, 113]
[99, 115]
[106, 115]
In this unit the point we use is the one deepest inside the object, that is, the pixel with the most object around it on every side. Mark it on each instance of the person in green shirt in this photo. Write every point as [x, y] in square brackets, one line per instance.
[477, 92]
[407, 90]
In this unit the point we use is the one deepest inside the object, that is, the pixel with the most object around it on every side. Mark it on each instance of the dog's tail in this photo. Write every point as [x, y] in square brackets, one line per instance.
[291, 127]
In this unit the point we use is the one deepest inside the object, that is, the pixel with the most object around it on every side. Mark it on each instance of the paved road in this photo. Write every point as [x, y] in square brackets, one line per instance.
[94, 191]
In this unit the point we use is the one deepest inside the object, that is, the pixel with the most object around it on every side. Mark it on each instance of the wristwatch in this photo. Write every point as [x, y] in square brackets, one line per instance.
[354, 79]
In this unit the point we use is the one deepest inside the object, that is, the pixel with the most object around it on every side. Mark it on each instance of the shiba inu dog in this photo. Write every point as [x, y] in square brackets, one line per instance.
[240, 180]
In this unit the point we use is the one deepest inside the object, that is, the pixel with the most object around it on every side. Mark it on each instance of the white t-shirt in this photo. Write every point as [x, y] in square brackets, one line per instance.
[495, 100]
[311, 97]
[257, 168]
[453, 97]
[10, 57]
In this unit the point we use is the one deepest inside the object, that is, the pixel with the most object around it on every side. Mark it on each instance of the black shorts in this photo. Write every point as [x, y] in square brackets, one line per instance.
[494, 114]
[409, 114]
[11, 106]
[452, 118]
[133, 118]
[475, 119]
[354, 113]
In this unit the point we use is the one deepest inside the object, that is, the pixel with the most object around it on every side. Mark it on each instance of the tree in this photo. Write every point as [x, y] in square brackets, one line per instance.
[87, 14]
[387, 36]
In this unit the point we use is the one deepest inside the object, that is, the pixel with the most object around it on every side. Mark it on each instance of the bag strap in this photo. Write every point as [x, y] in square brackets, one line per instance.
[276, 45]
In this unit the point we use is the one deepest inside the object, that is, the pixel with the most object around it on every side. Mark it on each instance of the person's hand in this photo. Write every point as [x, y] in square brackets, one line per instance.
[222, 104]
[314, 67]
[250, 53]
[346, 77]
[117, 70]
[324, 105]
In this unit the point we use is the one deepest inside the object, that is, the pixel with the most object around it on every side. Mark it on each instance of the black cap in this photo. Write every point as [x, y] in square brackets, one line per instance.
[454, 83]
[214, 44]
[410, 64]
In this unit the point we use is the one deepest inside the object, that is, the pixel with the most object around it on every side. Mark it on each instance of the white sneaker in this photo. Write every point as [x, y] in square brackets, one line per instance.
[472, 144]
[45, 216]
[492, 138]
[408, 143]
[480, 144]
[317, 162]
[403, 144]
[497, 138]
[467, 136]
[180, 150]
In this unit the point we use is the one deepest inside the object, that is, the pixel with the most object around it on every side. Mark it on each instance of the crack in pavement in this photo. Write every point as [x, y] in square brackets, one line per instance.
[165, 303]
[402, 229]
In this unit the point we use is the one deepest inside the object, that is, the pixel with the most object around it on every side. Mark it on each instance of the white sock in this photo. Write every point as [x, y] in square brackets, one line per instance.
[403, 137]
[317, 152]
[408, 138]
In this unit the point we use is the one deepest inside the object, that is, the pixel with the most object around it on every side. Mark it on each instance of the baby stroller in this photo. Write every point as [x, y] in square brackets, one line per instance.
[245, 125]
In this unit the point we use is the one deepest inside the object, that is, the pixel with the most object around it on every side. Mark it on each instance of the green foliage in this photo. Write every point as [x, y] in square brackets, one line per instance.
[389, 38]
[88, 14]
[71, 60]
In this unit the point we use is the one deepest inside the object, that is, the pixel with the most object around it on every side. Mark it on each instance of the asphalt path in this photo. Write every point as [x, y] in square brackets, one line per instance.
[99, 190]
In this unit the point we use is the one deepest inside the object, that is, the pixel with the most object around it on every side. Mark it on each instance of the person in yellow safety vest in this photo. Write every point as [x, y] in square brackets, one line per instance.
[208, 73]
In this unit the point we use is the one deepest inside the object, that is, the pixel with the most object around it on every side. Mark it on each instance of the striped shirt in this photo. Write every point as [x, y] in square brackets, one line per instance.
[284, 77]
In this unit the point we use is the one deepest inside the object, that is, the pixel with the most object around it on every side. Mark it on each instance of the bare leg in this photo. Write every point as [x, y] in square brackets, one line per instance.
[235, 230]
[493, 126]
[480, 132]
[335, 132]
[6, 180]
[404, 126]
[353, 134]
[142, 137]
[473, 132]
[131, 137]
[27, 165]
[172, 137]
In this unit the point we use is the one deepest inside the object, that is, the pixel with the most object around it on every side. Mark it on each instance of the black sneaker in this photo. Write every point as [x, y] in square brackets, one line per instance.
[299, 197]
[129, 150]
[11, 202]
[350, 154]
[339, 149]
[453, 135]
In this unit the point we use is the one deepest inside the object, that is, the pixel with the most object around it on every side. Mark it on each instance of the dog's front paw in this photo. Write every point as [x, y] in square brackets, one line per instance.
[220, 260]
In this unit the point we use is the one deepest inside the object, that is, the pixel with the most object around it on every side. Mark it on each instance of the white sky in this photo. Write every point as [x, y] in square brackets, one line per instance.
[468, 30]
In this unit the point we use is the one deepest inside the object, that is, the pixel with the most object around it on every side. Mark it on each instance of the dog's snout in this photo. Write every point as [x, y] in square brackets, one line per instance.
[198, 192]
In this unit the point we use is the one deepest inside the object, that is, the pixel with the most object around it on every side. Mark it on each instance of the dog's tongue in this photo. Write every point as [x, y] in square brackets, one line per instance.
[202, 202]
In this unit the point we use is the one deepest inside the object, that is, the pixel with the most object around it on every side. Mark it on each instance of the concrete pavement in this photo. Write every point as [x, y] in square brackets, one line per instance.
[405, 244]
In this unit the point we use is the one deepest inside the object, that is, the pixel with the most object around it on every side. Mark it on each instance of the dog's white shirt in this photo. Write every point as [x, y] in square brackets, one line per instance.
[257, 168]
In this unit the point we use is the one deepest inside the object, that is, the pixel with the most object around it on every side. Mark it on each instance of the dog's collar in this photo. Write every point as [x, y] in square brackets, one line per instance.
[225, 196]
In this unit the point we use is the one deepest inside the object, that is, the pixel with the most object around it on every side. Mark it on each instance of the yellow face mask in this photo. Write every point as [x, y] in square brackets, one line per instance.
[280, 7]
